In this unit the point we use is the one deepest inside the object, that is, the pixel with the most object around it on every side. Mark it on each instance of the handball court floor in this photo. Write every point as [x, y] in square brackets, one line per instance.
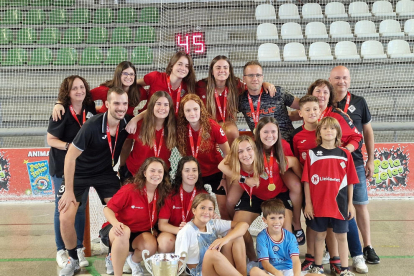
[27, 246]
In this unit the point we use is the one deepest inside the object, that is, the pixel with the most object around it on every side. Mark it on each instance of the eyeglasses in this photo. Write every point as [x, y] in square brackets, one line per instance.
[254, 75]
[128, 74]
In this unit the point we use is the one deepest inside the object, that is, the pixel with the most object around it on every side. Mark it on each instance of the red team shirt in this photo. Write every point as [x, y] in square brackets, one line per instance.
[210, 158]
[101, 92]
[131, 208]
[172, 209]
[303, 140]
[142, 152]
[329, 172]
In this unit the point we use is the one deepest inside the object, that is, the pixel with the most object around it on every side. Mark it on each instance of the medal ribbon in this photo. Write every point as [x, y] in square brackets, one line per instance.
[76, 117]
[177, 104]
[190, 136]
[323, 114]
[348, 100]
[249, 193]
[108, 135]
[222, 111]
[269, 167]
[157, 153]
[255, 116]
[184, 214]
[154, 207]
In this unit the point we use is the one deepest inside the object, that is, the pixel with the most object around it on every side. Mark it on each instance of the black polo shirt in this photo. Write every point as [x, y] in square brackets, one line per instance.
[360, 115]
[65, 130]
[96, 158]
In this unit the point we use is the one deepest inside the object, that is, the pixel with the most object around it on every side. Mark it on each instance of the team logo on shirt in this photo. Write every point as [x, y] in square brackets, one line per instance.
[304, 155]
[104, 137]
[89, 115]
[222, 132]
[315, 179]
[319, 153]
[351, 108]
[177, 207]
[303, 141]
[275, 248]
[343, 165]
[136, 207]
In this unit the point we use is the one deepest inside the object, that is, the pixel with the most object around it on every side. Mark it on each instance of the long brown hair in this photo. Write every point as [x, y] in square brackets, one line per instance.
[190, 79]
[182, 128]
[277, 147]
[134, 89]
[233, 92]
[163, 188]
[178, 179]
[147, 132]
[66, 86]
[329, 121]
[232, 160]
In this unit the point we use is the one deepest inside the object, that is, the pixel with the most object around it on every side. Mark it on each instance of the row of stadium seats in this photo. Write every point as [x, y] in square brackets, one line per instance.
[74, 35]
[335, 10]
[337, 29]
[80, 16]
[344, 50]
[140, 55]
[37, 3]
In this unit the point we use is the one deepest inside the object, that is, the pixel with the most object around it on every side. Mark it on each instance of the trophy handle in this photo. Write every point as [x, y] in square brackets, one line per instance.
[146, 261]
[182, 268]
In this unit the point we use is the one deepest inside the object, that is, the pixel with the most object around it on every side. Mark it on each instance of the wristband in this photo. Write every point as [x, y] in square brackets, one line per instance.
[67, 146]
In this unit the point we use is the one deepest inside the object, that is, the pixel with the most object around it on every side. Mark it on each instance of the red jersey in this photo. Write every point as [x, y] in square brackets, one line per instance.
[132, 209]
[172, 209]
[303, 140]
[142, 152]
[211, 157]
[329, 172]
[286, 148]
[101, 92]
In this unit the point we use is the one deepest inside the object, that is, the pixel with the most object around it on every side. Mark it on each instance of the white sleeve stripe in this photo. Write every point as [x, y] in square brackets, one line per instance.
[77, 147]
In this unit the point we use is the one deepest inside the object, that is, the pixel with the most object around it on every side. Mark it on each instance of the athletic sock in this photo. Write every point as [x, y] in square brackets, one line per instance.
[344, 268]
[73, 253]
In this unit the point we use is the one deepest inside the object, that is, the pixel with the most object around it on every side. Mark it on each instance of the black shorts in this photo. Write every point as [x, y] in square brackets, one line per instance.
[244, 203]
[124, 173]
[104, 235]
[214, 181]
[105, 185]
[321, 224]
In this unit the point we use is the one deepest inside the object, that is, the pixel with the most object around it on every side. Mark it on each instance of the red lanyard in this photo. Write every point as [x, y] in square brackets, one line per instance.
[269, 170]
[348, 100]
[177, 104]
[157, 153]
[154, 207]
[108, 135]
[190, 137]
[222, 111]
[255, 116]
[323, 114]
[251, 190]
[184, 214]
[76, 117]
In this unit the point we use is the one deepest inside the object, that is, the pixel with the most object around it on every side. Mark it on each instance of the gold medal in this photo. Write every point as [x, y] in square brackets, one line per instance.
[250, 202]
[113, 163]
[271, 187]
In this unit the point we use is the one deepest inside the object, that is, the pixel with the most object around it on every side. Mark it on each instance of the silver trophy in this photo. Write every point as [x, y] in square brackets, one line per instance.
[164, 264]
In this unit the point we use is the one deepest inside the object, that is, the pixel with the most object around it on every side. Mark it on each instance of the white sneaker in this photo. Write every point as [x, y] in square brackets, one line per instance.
[71, 267]
[61, 258]
[81, 256]
[326, 257]
[108, 264]
[250, 265]
[135, 267]
[126, 269]
[358, 262]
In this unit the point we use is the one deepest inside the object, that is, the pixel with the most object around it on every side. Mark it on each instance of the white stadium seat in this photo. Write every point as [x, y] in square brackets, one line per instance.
[268, 52]
[346, 50]
[294, 51]
[399, 49]
[382, 8]
[291, 30]
[316, 30]
[365, 28]
[390, 27]
[409, 27]
[405, 8]
[320, 51]
[288, 11]
[267, 31]
[335, 10]
[265, 12]
[312, 10]
[340, 29]
[358, 9]
[372, 49]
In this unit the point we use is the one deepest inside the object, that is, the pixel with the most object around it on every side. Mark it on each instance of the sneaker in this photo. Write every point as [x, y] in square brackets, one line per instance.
[81, 256]
[61, 258]
[335, 264]
[126, 269]
[136, 268]
[108, 264]
[71, 267]
[346, 273]
[358, 262]
[316, 270]
[308, 263]
[370, 256]
[326, 257]
[250, 265]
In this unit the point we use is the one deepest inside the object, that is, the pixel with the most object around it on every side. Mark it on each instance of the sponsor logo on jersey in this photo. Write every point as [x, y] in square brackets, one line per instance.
[319, 153]
[303, 141]
[177, 207]
[316, 178]
[136, 207]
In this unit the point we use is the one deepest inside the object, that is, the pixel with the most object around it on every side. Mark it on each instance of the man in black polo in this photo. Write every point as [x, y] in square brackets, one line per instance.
[89, 162]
